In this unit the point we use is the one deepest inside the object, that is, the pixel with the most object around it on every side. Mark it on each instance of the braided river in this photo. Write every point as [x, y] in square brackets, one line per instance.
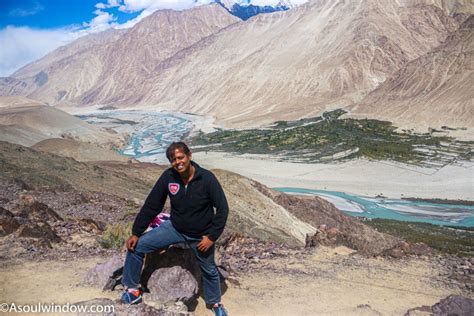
[150, 132]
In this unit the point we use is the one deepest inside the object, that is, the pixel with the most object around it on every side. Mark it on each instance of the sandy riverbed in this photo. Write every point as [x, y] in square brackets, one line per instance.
[361, 176]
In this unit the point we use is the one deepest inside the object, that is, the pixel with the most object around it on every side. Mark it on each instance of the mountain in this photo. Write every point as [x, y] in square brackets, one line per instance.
[300, 62]
[286, 65]
[438, 85]
[80, 151]
[244, 10]
[450, 6]
[24, 121]
[100, 66]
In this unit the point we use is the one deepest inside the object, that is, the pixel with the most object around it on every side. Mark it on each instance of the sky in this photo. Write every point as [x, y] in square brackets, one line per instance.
[29, 29]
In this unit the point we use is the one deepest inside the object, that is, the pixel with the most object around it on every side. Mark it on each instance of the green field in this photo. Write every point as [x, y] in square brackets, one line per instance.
[330, 137]
[453, 240]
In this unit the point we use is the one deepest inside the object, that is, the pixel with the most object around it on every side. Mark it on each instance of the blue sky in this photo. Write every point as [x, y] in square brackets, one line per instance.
[29, 29]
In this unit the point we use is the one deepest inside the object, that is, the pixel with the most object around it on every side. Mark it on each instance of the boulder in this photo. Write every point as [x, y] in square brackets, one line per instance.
[92, 226]
[454, 305]
[177, 255]
[8, 224]
[406, 248]
[451, 305]
[40, 230]
[99, 275]
[37, 211]
[334, 227]
[172, 284]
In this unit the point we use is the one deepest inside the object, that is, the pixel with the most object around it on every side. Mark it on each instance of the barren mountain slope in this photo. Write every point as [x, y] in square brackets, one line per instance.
[285, 65]
[255, 210]
[88, 42]
[449, 6]
[297, 63]
[253, 214]
[80, 151]
[154, 39]
[26, 122]
[64, 73]
[439, 85]
[102, 66]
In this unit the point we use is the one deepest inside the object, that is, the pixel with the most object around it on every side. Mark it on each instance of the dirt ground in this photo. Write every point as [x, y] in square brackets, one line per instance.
[326, 282]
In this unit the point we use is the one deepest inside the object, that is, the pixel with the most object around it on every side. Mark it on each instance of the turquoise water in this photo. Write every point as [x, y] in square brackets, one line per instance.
[402, 210]
[150, 132]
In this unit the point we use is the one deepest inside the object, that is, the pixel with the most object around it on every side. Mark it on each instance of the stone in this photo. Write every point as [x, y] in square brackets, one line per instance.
[38, 211]
[8, 224]
[172, 284]
[454, 305]
[40, 230]
[451, 305]
[92, 226]
[332, 232]
[176, 255]
[99, 275]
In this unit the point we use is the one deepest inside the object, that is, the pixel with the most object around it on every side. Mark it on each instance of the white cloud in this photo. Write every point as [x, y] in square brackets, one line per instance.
[21, 45]
[102, 21]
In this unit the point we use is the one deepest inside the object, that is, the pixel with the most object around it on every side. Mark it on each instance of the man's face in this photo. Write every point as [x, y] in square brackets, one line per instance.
[180, 161]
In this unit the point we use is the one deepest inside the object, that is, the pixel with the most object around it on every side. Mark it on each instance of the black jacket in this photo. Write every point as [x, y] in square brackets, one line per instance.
[192, 207]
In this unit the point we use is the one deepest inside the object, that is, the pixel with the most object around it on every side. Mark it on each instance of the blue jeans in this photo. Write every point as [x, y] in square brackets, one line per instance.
[162, 237]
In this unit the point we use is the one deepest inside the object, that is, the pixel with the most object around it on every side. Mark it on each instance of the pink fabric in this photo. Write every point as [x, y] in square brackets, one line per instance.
[159, 219]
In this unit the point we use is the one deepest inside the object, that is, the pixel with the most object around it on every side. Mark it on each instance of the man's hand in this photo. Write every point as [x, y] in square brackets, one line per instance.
[205, 244]
[131, 242]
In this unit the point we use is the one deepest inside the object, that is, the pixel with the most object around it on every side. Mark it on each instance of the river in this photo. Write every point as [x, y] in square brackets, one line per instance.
[151, 132]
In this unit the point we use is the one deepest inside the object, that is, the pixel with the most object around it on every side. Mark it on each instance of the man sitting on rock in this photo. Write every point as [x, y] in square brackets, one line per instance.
[194, 193]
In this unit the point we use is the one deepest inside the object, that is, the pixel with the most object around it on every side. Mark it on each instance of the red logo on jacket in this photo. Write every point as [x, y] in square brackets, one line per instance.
[173, 187]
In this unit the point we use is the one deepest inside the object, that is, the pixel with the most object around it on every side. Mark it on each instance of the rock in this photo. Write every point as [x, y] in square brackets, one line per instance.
[366, 309]
[172, 284]
[173, 256]
[404, 248]
[395, 253]
[332, 232]
[112, 308]
[451, 305]
[422, 310]
[8, 224]
[41, 230]
[99, 275]
[317, 212]
[454, 304]
[38, 211]
[27, 199]
[420, 249]
[92, 226]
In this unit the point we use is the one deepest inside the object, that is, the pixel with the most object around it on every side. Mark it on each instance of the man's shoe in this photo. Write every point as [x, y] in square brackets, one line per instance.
[219, 310]
[131, 297]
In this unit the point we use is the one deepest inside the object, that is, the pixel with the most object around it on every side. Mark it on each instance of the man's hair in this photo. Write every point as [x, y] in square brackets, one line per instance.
[177, 145]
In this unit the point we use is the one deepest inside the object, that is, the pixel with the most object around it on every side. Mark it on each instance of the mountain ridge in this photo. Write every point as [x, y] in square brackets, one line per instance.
[279, 66]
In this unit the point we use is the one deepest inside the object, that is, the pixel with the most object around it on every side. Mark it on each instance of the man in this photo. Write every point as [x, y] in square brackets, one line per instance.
[194, 193]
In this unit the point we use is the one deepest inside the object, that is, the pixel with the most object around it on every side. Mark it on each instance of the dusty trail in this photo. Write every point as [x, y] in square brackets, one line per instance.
[326, 282]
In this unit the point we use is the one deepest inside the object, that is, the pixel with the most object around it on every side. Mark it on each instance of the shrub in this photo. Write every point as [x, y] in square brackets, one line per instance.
[115, 235]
